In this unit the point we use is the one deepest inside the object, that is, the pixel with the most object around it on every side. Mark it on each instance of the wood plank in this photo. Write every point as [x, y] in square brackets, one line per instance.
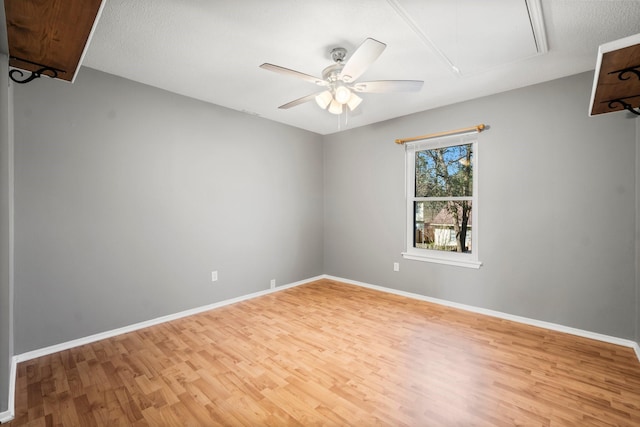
[610, 86]
[50, 33]
[327, 353]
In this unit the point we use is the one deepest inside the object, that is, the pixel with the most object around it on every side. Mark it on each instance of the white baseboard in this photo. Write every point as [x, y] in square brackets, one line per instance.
[636, 347]
[125, 329]
[519, 319]
[9, 414]
[6, 416]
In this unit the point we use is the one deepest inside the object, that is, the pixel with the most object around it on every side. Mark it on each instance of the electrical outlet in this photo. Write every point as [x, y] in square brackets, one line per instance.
[273, 283]
[396, 266]
[214, 276]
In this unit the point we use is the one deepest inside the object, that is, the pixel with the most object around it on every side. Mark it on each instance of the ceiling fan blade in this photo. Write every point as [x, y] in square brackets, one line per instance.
[293, 73]
[299, 101]
[382, 86]
[361, 59]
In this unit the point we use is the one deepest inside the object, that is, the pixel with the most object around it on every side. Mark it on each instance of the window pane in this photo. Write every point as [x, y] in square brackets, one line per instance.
[443, 172]
[443, 226]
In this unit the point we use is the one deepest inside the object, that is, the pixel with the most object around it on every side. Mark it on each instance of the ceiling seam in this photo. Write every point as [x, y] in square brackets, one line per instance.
[422, 36]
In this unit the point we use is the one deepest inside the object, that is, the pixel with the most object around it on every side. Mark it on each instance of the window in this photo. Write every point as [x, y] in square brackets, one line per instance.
[442, 200]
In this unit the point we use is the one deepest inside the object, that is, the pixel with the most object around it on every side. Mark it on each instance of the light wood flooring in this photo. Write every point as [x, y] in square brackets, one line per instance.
[328, 353]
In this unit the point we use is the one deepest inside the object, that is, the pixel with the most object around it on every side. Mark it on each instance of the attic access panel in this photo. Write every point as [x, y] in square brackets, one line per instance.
[472, 36]
[50, 33]
[616, 83]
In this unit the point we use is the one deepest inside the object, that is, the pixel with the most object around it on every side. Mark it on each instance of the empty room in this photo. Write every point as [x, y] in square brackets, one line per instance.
[298, 213]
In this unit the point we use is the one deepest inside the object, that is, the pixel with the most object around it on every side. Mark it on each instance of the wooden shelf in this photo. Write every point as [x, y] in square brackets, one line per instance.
[617, 77]
[50, 33]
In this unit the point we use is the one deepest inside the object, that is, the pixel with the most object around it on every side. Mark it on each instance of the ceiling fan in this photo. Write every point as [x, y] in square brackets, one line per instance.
[339, 79]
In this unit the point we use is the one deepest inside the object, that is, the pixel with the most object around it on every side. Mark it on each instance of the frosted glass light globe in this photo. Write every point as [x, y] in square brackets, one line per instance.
[342, 94]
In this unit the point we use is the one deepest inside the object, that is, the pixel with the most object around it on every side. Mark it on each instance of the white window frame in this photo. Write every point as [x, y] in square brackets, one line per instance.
[469, 260]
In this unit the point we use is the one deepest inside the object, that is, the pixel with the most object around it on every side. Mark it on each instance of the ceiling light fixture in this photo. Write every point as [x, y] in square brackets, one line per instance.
[336, 98]
[335, 107]
[354, 101]
[342, 94]
[323, 99]
[339, 79]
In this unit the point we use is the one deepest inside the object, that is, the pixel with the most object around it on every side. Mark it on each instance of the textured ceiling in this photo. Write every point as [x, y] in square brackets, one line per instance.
[211, 49]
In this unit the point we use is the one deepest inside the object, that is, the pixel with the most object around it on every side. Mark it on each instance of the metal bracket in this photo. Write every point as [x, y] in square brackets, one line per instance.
[624, 104]
[51, 72]
[622, 74]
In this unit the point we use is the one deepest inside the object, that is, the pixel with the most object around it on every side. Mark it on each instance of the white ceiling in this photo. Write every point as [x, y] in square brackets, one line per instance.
[211, 49]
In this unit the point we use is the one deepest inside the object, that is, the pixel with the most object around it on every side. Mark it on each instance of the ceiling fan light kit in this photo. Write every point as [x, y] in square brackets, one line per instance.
[323, 99]
[338, 80]
[342, 94]
[354, 101]
[335, 107]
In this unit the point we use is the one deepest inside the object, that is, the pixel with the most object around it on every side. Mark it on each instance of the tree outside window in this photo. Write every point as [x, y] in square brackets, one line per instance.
[443, 199]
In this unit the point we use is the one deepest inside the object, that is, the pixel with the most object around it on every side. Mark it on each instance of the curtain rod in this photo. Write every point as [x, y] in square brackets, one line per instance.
[477, 128]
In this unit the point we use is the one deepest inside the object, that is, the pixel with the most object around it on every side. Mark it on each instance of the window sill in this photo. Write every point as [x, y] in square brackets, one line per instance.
[448, 261]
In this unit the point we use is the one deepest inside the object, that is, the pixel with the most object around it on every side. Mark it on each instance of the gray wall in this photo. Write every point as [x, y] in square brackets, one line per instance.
[6, 205]
[556, 208]
[127, 197]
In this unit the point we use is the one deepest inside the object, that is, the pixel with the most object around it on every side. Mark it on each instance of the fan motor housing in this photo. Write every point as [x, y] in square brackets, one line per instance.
[332, 72]
[338, 54]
